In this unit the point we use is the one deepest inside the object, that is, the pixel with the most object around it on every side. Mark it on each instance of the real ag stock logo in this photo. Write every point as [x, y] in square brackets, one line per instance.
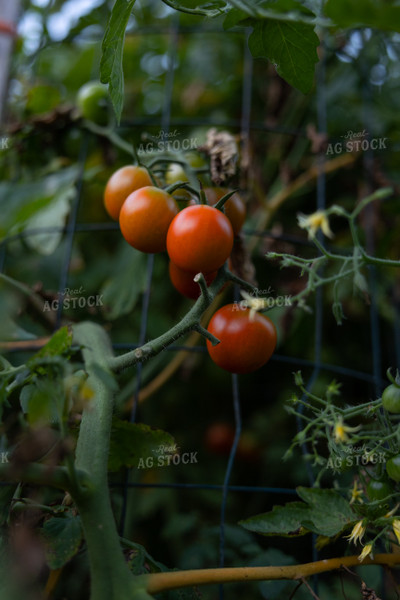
[167, 142]
[359, 141]
[166, 456]
[354, 456]
[73, 298]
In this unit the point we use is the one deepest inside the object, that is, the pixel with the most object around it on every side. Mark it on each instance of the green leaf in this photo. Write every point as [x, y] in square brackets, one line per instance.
[53, 217]
[42, 401]
[59, 344]
[368, 13]
[282, 520]
[330, 513]
[20, 202]
[132, 442]
[290, 46]
[324, 512]
[282, 10]
[111, 70]
[206, 8]
[234, 17]
[127, 282]
[42, 99]
[63, 537]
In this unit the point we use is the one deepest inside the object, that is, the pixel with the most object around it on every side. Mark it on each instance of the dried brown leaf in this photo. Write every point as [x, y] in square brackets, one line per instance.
[222, 148]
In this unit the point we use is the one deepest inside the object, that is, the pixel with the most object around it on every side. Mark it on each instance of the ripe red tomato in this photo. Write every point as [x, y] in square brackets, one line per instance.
[219, 438]
[200, 239]
[235, 209]
[183, 281]
[145, 217]
[245, 344]
[122, 183]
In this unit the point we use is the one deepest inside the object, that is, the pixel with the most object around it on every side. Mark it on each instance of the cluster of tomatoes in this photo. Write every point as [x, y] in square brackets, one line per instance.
[198, 239]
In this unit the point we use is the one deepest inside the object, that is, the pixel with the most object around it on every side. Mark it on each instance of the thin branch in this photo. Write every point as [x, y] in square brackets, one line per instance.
[158, 582]
[313, 594]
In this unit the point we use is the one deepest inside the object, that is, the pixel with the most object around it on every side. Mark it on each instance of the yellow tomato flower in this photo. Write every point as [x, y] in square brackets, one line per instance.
[367, 550]
[356, 493]
[392, 512]
[357, 532]
[341, 430]
[396, 529]
[313, 222]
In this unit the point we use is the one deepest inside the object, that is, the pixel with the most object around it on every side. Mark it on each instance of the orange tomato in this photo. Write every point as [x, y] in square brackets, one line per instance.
[122, 183]
[145, 218]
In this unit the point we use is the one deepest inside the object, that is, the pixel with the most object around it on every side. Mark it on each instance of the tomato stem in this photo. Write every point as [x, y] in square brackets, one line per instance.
[393, 380]
[200, 279]
[220, 204]
[181, 185]
[207, 335]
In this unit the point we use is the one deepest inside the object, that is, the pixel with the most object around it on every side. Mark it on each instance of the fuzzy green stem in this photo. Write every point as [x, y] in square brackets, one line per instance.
[201, 281]
[110, 134]
[110, 576]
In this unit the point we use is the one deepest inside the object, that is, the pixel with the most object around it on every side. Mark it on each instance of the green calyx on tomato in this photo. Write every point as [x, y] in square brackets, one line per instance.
[393, 467]
[391, 398]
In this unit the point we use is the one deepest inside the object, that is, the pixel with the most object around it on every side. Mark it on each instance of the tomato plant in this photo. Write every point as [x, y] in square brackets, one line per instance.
[122, 183]
[92, 100]
[393, 467]
[183, 281]
[246, 342]
[145, 217]
[200, 239]
[391, 398]
[234, 207]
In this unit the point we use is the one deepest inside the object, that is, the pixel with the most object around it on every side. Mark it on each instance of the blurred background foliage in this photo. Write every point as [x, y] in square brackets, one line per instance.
[189, 75]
